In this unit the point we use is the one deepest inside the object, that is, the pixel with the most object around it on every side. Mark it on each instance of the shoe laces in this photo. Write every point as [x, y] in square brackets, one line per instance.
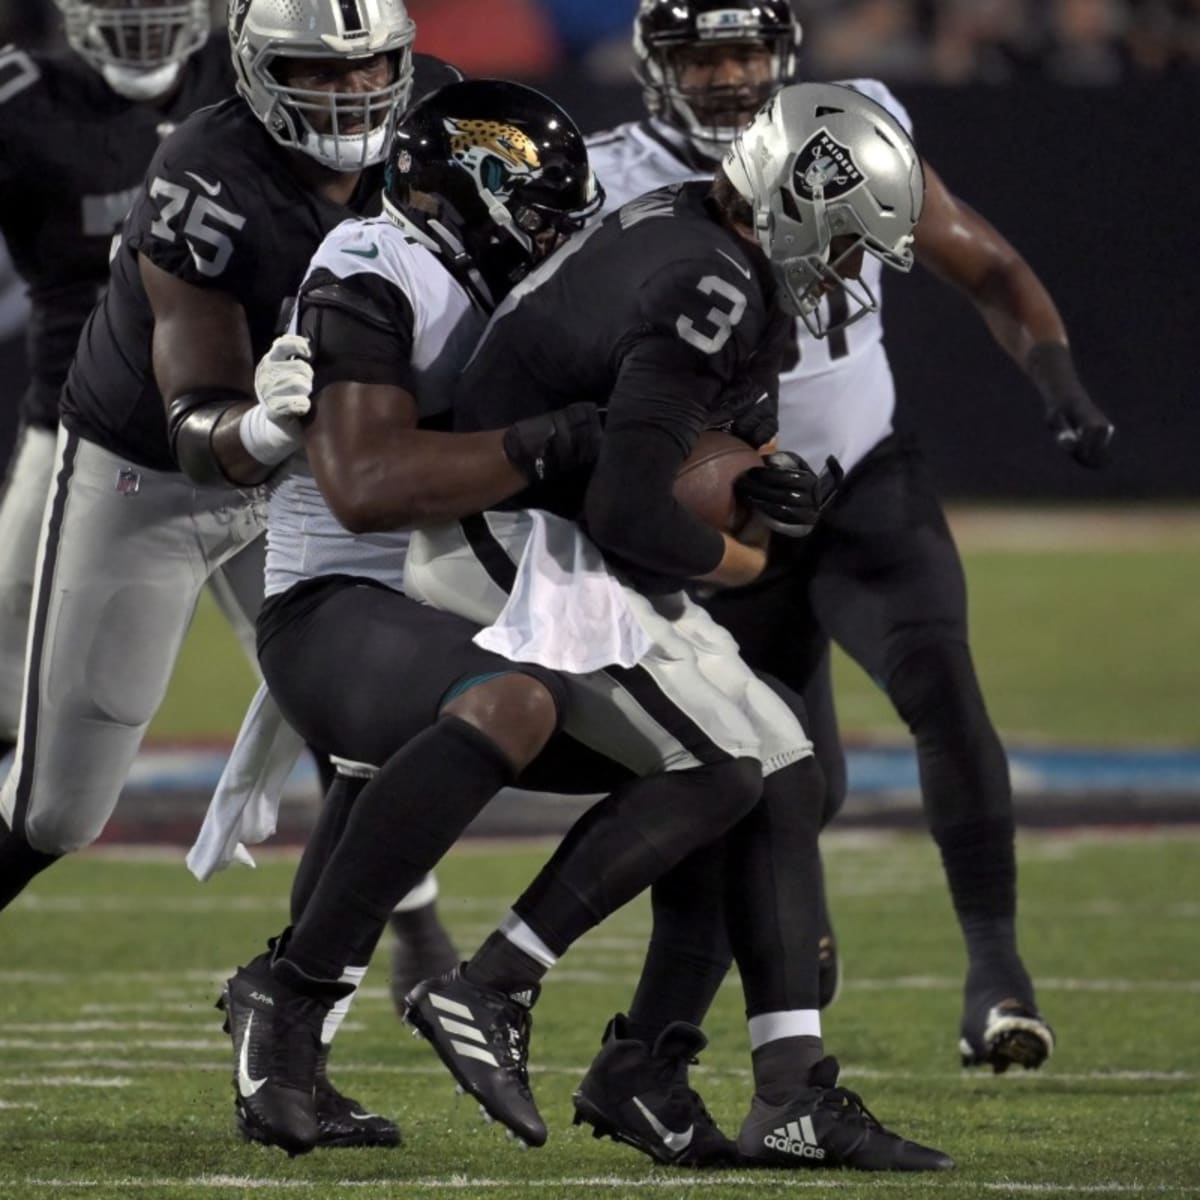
[681, 1096]
[847, 1103]
[512, 1035]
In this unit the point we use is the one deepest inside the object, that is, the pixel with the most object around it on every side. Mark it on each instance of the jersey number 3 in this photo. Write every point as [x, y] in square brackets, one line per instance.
[206, 224]
[719, 321]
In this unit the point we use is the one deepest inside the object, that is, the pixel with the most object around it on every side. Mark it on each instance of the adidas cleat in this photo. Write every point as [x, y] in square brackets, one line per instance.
[274, 1014]
[828, 1126]
[482, 1037]
[640, 1096]
[1010, 1033]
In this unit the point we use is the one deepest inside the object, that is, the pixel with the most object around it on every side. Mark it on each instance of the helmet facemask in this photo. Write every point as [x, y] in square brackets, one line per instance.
[492, 196]
[138, 46]
[273, 43]
[710, 114]
[828, 177]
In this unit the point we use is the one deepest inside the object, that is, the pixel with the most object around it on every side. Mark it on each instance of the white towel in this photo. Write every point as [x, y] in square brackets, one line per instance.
[244, 806]
[566, 610]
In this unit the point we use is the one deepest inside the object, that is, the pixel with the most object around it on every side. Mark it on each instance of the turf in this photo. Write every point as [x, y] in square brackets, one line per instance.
[1077, 639]
[114, 1075]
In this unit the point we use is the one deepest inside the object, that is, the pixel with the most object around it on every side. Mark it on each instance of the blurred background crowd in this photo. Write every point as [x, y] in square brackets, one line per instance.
[1083, 42]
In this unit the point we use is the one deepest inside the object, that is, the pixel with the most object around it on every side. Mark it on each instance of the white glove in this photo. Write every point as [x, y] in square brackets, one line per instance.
[271, 431]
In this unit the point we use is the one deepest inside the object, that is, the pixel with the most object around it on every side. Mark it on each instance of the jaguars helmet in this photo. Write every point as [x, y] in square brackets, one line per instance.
[138, 46]
[663, 27]
[345, 131]
[491, 175]
[827, 173]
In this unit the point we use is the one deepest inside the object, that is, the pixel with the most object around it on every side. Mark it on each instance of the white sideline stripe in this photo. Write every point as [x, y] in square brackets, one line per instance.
[689, 1182]
[462, 1029]
[451, 1006]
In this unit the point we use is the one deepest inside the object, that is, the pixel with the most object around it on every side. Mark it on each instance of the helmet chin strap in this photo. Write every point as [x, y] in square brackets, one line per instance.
[141, 85]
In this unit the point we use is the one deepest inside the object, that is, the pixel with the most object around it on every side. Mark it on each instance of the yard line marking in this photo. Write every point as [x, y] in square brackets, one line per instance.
[215, 1043]
[687, 1182]
[5, 1104]
[115, 1081]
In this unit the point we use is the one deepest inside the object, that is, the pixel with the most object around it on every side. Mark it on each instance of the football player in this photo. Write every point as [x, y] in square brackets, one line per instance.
[162, 443]
[485, 179]
[880, 575]
[673, 314]
[77, 130]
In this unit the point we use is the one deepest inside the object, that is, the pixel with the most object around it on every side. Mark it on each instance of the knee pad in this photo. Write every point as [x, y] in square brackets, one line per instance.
[734, 787]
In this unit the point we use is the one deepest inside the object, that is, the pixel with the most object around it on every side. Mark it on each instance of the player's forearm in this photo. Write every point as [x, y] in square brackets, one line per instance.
[1018, 310]
[420, 477]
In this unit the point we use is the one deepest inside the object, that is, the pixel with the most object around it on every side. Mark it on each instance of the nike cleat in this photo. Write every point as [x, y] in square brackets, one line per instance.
[640, 1096]
[828, 1126]
[482, 1037]
[1009, 1033]
[421, 949]
[274, 1014]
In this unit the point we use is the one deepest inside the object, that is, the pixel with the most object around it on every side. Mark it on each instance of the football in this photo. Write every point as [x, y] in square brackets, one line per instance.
[704, 484]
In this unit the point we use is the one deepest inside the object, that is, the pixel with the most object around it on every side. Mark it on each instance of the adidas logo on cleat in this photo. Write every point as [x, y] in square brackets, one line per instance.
[796, 1137]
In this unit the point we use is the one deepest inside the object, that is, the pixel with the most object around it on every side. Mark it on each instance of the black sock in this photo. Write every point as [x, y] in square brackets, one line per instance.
[626, 841]
[6, 748]
[324, 837]
[501, 965]
[19, 863]
[688, 956]
[980, 863]
[781, 1067]
[402, 823]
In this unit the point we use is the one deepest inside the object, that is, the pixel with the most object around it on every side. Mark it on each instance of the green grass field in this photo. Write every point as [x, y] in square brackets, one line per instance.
[1083, 624]
[114, 1075]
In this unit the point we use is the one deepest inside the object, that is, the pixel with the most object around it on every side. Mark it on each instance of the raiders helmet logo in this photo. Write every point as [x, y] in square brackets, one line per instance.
[237, 17]
[824, 165]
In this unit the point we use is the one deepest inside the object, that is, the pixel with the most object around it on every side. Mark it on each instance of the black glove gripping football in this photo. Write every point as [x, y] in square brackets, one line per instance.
[758, 423]
[554, 443]
[787, 494]
[1079, 426]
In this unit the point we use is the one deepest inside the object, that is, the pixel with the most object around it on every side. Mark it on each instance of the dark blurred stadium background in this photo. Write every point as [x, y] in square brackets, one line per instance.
[1069, 123]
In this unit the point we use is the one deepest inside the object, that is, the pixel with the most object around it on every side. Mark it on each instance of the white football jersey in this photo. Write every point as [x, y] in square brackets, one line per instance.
[840, 397]
[304, 538]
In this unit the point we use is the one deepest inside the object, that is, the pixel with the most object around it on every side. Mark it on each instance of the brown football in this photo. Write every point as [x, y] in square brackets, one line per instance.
[704, 484]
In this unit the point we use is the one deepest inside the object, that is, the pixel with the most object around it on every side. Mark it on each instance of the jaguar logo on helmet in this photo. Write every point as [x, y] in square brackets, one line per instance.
[825, 166]
[495, 153]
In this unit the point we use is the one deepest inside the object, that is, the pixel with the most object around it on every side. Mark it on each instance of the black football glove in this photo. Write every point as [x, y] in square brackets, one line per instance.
[1079, 427]
[758, 422]
[554, 443]
[786, 494]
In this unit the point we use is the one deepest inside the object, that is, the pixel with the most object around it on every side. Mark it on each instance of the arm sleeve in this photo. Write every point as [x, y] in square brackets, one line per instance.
[656, 412]
[360, 329]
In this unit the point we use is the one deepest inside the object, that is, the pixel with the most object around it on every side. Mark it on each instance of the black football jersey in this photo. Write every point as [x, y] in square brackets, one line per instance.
[220, 208]
[72, 155]
[662, 317]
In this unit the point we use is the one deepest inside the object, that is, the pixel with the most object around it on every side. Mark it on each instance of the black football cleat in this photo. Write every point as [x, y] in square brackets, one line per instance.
[640, 1096]
[421, 949]
[274, 1014]
[1006, 1034]
[482, 1037]
[342, 1121]
[828, 1126]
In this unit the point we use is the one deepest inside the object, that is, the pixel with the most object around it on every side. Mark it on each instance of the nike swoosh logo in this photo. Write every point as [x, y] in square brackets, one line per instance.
[737, 265]
[373, 252]
[213, 189]
[677, 1143]
[247, 1087]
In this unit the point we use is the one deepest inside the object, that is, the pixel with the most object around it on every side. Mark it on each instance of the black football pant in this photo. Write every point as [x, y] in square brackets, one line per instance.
[882, 578]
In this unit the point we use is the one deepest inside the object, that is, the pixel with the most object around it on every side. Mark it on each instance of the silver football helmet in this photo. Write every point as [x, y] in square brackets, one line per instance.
[138, 46]
[828, 173]
[345, 131]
